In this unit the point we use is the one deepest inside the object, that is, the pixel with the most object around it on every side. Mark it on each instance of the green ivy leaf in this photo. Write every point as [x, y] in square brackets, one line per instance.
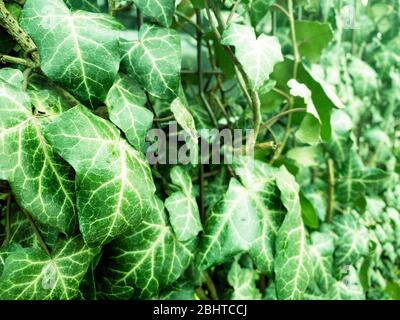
[364, 77]
[259, 180]
[42, 182]
[231, 227]
[293, 268]
[349, 288]
[155, 60]
[125, 102]
[259, 9]
[114, 186]
[30, 274]
[66, 41]
[161, 10]
[310, 127]
[257, 55]
[312, 38]
[184, 119]
[321, 253]
[243, 282]
[87, 5]
[150, 258]
[352, 242]
[182, 207]
[283, 72]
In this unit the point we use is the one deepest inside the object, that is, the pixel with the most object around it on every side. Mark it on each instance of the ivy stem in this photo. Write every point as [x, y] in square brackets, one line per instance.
[165, 119]
[280, 8]
[232, 13]
[25, 82]
[37, 234]
[8, 221]
[276, 118]
[211, 287]
[10, 59]
[8, 22]
[331, 190]
[297, 60]
[247, 88]
[190, 21]
[200, 82]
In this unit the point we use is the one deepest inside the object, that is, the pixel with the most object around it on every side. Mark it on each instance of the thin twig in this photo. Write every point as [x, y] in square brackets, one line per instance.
[331, 190]
[37, 234]
[25, 82]
[211, 287]
[190, 21]
[209, 109]
[297, 61]
[280, 8]
[232, 13]
[200, 82]
[297, 58]
[205, 72]
[165, 119]
[276, 118]
[282, 93]
[8, 222]
[15, 60]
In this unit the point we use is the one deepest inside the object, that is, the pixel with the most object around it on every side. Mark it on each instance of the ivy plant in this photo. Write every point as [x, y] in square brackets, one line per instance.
[307, 209]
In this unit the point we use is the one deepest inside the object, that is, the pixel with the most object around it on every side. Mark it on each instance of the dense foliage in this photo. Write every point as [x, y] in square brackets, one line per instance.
[85, 215]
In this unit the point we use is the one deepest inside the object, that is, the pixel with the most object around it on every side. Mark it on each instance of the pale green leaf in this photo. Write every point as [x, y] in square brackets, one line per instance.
[349, 288]
[125, 102]
[30, 274]
[78, 50]
[114, 186]
[293, 268]
[160, 10]
[258, 56]
[42, 182]
[243, 282]
[150, 258]
[352, 239]
[231, 227]
[312, 38]
[309, 130]
[155, 60]
[259, 9]
[259, 180]
[182, 207]
[184, 119]
[321, 253]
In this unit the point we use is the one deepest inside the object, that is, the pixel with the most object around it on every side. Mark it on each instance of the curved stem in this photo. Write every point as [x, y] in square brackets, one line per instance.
[211, 287]
[276, 118]
[280, 8]
[165, 119]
